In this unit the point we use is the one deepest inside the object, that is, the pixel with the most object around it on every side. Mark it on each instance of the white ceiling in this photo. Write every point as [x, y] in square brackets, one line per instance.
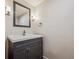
[34, 2]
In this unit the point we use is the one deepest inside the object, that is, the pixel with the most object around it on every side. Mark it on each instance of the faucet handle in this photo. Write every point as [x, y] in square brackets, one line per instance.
[24, 32]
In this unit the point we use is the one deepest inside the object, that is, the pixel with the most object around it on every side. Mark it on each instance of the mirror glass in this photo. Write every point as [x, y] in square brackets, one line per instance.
[21, 15]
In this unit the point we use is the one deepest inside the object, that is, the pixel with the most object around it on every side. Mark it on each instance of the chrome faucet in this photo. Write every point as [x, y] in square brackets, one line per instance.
[24, 32]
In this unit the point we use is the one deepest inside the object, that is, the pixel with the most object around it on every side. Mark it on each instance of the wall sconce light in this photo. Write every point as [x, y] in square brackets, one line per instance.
[37, 20]
[34, 18]
[7, 10]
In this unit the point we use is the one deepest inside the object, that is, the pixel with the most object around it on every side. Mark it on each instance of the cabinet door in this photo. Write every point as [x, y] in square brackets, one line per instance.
[35, 51]
[20, 54]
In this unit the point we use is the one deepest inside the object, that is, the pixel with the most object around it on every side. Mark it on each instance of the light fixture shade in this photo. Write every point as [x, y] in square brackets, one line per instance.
[7, 10]
[35, 18]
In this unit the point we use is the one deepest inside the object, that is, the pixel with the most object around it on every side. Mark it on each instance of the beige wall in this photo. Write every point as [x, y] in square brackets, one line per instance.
[57, 17]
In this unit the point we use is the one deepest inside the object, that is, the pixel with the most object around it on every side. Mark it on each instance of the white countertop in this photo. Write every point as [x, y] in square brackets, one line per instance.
[17, 38]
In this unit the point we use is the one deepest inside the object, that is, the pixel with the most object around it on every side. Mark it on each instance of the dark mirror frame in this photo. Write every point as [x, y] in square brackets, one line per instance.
[14, 15]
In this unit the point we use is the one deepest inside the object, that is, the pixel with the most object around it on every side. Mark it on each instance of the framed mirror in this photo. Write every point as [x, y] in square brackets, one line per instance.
[21, 15]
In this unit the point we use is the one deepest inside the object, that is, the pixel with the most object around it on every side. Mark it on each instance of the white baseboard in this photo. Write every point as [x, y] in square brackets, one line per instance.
[44, 57]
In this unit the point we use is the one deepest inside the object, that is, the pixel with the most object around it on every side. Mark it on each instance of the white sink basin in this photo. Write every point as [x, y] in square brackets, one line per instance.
[16, 38]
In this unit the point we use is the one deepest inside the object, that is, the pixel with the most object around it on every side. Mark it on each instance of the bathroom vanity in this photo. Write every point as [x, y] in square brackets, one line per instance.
[25, 47]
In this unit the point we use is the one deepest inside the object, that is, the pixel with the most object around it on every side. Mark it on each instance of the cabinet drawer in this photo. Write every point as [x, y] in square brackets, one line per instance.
[23, 44]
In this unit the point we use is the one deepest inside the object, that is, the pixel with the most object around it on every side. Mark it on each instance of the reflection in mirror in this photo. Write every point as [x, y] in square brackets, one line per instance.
[21, 15]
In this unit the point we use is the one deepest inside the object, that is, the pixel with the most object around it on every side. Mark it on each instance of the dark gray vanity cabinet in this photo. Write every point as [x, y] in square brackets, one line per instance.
[27, 49]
